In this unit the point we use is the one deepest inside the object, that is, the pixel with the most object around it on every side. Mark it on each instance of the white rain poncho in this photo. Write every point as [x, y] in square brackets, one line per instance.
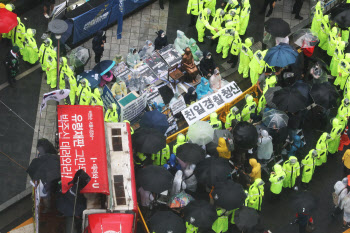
[282, 40]
[178, 185]
[147, 50]
[190, 179]
[133, 58]
[265, 147]
[215, 81]
[136, 83]
[181, 42]
[341, 191]
[146, 197]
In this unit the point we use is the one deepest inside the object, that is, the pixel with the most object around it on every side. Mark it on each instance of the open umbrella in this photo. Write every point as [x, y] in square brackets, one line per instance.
[45, 168]
[245, 135]
[269, 95]
[304, 89]
[8, 20]
[228, 195]
[201, 133]
[221, 133]
[246, 219]
[305, 38]
[200, 214]
[92, 76]
[277, 27]
[304, 202]
[289, 99]
[156, 120]
[281, 55]
[104, 66]
[44, 146]
[325, 95]
[78, 57]
[275, 119]
[148, 140]
[190, 153]
[154, 179]
[341, 15]
[165, 222]
[212, 170]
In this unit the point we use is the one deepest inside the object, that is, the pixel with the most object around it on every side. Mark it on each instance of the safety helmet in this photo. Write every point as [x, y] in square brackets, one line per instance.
[293, 161]
[314, 153]
[249, 41]
[346, 101]
[47, 42]
[234, 109]
[328, 136]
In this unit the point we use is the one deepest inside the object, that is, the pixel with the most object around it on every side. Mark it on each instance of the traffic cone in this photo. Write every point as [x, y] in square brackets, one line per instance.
[344, 139]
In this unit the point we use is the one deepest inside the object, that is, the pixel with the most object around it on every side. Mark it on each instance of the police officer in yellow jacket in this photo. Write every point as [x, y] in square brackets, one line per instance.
[51, 69]
[233, 115]
[30, 52]
[249, 108]
[193, 9]
[309, 164]
[214, 121]
[18, 34]
[84, 93]
[203, 23]
[322, 149]
[292, 169]
[112, 114]
[96, 98]
[71, 84]
[161, 157]
[255, 194]
[64, 70]
[180, 140]
[276, 178]
[44, 51]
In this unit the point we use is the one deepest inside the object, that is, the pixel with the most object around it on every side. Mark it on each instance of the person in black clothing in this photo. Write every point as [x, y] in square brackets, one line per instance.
[302, 220]
[190, 96]
[161, 41]
[207, 65]
[266, 3]
[161, 4]
[12, 65]
[98, 45]
[296, 9]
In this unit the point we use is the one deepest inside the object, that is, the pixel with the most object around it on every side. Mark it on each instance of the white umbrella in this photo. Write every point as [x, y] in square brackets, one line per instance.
[201, 133]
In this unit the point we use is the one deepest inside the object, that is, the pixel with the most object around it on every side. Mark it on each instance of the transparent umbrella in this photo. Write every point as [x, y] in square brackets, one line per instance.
[275, 119]
[78, 57]
[201, 133]
[305, 38]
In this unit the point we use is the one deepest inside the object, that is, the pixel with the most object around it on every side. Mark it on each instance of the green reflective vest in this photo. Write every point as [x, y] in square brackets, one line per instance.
[309, 167]
[322, 150]
[161, 157]
[292, 172]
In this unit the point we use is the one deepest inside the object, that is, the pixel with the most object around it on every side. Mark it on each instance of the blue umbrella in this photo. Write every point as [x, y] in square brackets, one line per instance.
[281, 55]
[104, 66]
[92, 76]
[155, 120]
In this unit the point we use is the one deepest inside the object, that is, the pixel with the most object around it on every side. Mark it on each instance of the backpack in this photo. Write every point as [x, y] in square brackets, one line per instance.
[230, 144]
[336, 197]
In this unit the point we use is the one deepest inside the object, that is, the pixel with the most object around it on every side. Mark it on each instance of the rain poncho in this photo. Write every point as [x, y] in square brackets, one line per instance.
[333, 39]
[215, 81]
[276, 179]
[196, 52]
[194, 7]
[190, 228]
[51, 69]
[146, 197]
[236, 45]
[44, 52]
[343, 71]
[96, 98]
[222, 149]
[178, 185]
[30, 52]
[248, 109]
[210, 4]
[203, 23]
[256, 169]
[343, 114]
[333, 142]
[225, 41]
[181, 42]
[18, 34]
[133, 58]
[292, 172]
[316, 21]
[214, 121]
[245, 58]
[322, 149]
[221, 224]
[190, 179]
[309, 163]
[233, 115]
[161, 157]
[255, 194]
[297, 144]
[323, 33]
[119, 89]
[71, 84]
[181, 139]
[84, 93]
[257, 65]
[136, 82]
[232, 4]
[217, 20]
[244, 17]
[64, 70]
[147, 50]
[337, 56]
[203, 88]
[341, 190]
[265, 147]
[112, 114]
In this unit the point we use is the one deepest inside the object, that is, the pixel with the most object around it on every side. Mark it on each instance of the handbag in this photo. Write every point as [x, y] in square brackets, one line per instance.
[310, 227]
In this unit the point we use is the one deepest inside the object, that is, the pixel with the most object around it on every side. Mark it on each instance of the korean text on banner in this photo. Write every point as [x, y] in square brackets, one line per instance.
[211, 103]
[134, 108]
[83, 146]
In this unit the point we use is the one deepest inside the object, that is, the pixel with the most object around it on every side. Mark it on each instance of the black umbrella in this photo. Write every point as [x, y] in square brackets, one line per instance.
[165, 222]
[325, 95]
[191, 153]
[246, 219]
[148, 140]
[229, 195]
[304, 202]
[304, 89]
[45, 168]
[289, 99]
[341, 15]
[44, 146]
[269, 95]
[277, 27]
[212, 170]
[245, 135]
[154, 179]
[221, 133]
[200, 214]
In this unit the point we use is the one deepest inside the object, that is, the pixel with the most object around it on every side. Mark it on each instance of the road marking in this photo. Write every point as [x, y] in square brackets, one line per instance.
[21, 75]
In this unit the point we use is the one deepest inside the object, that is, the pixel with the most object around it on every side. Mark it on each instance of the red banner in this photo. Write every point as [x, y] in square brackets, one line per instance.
[83, 146]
